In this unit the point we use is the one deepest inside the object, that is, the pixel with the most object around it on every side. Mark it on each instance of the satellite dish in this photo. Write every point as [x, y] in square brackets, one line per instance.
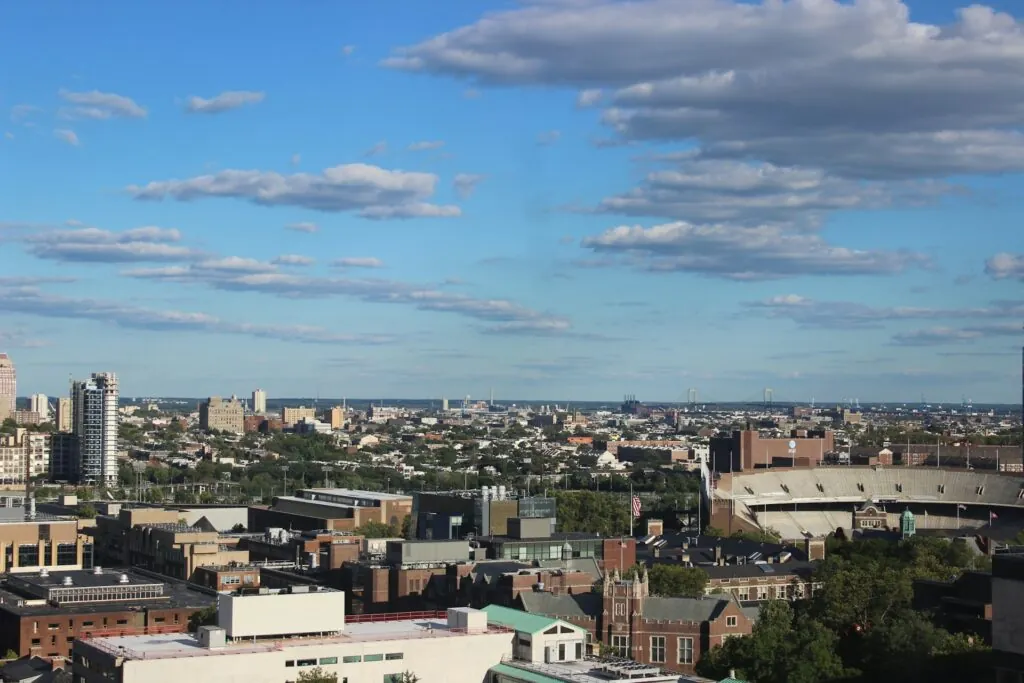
[792, 444]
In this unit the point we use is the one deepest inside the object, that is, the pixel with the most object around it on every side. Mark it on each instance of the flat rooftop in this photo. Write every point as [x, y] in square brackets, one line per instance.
[177, 645]
[589, 671]
[19, 515]
[354, 493]
[84, 578]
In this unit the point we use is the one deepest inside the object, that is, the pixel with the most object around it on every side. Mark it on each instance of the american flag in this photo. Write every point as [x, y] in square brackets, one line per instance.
[961, 507]
[637, 507]
[993, 515]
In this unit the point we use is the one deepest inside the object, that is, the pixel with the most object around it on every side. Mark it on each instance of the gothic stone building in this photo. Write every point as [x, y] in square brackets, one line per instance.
[626, 621]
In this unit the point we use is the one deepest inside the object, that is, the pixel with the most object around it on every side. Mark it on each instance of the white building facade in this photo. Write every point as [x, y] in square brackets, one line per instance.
[95, 424]
[8, 387]
[259, 401]
[457, 648]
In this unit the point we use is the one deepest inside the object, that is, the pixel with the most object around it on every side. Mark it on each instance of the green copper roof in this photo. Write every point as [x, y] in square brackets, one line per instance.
[517, 619]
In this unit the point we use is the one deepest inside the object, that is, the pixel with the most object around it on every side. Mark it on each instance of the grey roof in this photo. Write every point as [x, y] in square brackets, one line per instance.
[587, 565]
[491, 570]
[736, 571]
[684, 609]
[582, 605]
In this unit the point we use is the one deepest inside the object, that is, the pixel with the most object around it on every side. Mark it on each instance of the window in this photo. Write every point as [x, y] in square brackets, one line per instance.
[373, 658]
[685, 650]
[290, 662]
[579, 650]
[122, 622]
[351, 659]
[524, 642]
[53, 627]
[620, 646]
[306, 662]
[86, 624]
[232, 580]
[731, 621]
[743, 594]
[35, 642]
[657, 649]
[328, 660]
[392, 656]
[620, 609]
[561, 652]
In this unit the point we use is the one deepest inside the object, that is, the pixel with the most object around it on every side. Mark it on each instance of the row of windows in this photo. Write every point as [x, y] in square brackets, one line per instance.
[347, 659]
[684, 649]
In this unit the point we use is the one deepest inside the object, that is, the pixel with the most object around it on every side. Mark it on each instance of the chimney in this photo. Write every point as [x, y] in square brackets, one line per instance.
[718, 554]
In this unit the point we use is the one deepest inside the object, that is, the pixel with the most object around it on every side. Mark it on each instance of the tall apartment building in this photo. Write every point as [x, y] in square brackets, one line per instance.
[39, 403]
[64, 456]
[21, 452]
[259, 401]
[8, 387]
[337, 416]
[222, 415]
[95, 424]
[292, 416]
[63, 420]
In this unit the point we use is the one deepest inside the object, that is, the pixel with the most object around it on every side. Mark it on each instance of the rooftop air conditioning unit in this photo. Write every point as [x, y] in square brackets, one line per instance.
[68, 581]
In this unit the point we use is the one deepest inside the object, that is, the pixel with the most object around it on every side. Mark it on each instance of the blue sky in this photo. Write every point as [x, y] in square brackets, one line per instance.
[562, 199]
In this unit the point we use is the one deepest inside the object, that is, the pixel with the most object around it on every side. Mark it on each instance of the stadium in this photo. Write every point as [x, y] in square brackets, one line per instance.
[814, 502]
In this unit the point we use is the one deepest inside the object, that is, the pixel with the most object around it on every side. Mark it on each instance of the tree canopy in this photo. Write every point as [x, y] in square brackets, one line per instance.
[859, 625]
[676, 581]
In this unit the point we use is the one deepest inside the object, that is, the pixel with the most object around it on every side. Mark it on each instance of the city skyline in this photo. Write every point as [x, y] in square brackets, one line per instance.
[428, 201]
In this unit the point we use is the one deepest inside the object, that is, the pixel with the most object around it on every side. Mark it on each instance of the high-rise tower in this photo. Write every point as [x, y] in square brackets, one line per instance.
[259, 401]
[95, 425]
[8, 387]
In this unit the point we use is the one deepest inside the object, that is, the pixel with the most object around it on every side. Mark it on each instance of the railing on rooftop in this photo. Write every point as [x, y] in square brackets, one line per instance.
[393, 616]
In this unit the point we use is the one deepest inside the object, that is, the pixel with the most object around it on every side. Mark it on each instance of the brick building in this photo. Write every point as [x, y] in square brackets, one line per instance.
[335, 509]
[668, 632]
[227, 578]
[748, 450]
[42, 614]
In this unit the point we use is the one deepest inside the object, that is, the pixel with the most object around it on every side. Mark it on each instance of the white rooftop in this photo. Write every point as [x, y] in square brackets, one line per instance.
[175, 645]
[355, 493]
[586, 671]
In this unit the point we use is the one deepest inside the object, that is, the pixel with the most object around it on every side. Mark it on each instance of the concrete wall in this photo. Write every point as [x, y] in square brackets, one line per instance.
[417, 552]
[279, 614]
[1007, 617]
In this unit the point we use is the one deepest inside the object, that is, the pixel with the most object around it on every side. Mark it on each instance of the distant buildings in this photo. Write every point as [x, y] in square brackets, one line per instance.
[292, 416]
[23, 453]
[259, 401]
[381, 414]
[39, 403]
[8, 387]
[95, 424]
[64, 420]
[222, 415]
[486, 512]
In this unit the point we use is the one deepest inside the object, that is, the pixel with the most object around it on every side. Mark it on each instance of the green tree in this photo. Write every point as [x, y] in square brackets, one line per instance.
[374, 529]
[87, 511]
[676, 581]
[204, 617]
[317, 675]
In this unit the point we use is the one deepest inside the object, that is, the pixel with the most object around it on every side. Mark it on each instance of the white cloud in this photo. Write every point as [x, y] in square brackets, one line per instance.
[30, 301]
[358, 262]
[302, 227]
[225, 101]
[953, 335]
[497, 313]
[426, 145]
[465, 183]
[99, 105]
[740, 253]
[1005, 266]
[67, 136]
[371, 191]
[808, 312]
[549, 137]
[589, 97]
[753, 193]
[856, 88]
[233, 265]
[93, 245]
[293, 260]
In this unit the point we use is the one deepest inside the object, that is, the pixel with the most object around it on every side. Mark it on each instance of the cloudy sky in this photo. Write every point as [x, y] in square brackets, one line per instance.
[562, 199]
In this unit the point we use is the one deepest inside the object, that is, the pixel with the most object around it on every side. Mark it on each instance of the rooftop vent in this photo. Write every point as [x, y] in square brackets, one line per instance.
[97, 570]
[44, 572]
[123, 579]
[68, 581]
